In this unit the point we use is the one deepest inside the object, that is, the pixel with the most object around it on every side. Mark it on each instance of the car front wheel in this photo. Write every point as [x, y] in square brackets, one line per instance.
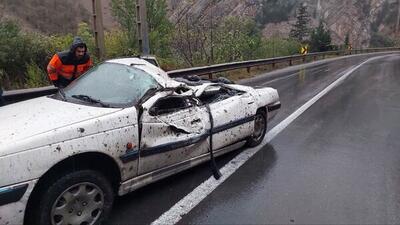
[82, 197]
[260, 129]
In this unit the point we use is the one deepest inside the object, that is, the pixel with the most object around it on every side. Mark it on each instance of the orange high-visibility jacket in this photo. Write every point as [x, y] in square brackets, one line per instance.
[63, 68]
[58, 68]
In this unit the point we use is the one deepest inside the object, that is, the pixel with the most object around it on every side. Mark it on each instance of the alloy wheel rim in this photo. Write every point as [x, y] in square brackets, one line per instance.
[259, 127]
[80, 204]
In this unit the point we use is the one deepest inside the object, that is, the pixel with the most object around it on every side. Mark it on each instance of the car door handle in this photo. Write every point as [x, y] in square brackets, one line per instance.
[250, 103]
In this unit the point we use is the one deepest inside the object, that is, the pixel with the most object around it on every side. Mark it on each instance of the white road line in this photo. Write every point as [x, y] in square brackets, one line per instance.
[185, 205]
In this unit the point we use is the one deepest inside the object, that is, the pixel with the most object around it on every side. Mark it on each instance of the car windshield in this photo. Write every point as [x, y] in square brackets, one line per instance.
[111, 84]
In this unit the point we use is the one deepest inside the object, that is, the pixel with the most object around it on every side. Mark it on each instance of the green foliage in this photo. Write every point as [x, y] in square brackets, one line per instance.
[275, 47]
[59, 43]
[236, 39]
[300, 30]
[201, 44]
[160, 28]
[36, 76]
[274, 11]
[125, 13]
[85, 32]
[378, 40]
[347, 40]
[116, 44]
[321, 39]
[22, 55]
[17, 48]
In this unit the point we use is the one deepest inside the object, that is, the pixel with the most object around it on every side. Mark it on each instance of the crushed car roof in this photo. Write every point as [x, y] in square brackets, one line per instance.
[158, 74]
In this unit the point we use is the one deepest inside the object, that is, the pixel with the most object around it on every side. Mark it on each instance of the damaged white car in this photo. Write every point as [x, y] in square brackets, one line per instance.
[122, 125]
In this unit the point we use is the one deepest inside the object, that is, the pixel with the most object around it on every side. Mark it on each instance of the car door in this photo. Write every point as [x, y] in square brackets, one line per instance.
[173, 129]
[233, 114]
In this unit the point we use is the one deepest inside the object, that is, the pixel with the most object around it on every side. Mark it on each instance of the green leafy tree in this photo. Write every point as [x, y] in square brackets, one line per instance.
[347, 40]
[300, 30]
[321, 39]
[125, 13]
[159, 27]
[233, 39]
[17, 51]
[236, 39]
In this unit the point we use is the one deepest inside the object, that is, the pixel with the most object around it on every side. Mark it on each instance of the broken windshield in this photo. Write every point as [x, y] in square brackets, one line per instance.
[112, 84]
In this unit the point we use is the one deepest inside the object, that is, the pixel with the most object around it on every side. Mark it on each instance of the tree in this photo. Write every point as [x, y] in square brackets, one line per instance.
[347, 40]
[300, 30]
[234, 39]
[159, 26]
[320, 39]
[125, 13]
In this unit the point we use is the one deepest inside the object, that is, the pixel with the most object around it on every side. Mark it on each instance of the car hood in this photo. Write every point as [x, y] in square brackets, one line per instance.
[24, 120]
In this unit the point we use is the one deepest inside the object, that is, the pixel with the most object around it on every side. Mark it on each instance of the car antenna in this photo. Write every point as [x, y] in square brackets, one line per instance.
[217, 174]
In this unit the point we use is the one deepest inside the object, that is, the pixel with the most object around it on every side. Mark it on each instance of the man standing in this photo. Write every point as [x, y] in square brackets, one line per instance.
[66, 66]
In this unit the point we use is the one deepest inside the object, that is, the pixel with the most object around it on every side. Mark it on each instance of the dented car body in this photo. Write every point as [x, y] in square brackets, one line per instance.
[126, 122]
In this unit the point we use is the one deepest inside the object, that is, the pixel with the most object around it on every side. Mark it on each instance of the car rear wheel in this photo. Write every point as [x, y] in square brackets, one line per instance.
[260, 129]
[82, 197]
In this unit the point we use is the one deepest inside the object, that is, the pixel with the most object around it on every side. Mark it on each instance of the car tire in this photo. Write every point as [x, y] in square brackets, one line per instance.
[260, 129]
[79, 197]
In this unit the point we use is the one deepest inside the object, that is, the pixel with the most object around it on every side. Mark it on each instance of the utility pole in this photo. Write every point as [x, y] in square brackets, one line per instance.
[398, 17]
[98, 28]
[212, 33]
[141, 19]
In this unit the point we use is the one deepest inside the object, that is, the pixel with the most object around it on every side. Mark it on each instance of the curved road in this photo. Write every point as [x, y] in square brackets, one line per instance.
[338, 163]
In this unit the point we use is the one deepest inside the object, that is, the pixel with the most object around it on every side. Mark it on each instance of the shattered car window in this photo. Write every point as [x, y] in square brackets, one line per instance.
[113, 84]
[217, 93]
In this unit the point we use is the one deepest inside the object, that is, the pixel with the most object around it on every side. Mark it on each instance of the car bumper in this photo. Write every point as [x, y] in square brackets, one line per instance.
[13, 200]
[273, 109]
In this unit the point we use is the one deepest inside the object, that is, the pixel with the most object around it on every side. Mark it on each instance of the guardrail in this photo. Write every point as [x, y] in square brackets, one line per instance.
[24, 94]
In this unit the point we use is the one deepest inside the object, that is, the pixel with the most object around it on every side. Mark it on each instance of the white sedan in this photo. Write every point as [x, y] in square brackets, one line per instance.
[122, 125]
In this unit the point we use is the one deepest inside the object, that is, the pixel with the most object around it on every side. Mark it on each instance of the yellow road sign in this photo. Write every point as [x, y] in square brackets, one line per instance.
[350, 47]
[304, 50]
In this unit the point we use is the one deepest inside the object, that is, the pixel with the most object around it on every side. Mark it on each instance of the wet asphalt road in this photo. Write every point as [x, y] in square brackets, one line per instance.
[338, 163]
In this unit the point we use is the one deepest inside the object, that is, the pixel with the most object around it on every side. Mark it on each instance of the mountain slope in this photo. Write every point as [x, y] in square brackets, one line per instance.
[362, 19]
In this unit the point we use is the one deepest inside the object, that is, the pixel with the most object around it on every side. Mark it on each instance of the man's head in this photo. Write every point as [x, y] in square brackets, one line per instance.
[80, 52]
[78, 48]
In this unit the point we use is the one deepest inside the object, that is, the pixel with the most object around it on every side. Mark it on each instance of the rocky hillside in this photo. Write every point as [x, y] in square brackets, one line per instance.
[364, 20]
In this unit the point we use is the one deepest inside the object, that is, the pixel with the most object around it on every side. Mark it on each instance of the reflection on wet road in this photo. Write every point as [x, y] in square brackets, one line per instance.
[338, 163]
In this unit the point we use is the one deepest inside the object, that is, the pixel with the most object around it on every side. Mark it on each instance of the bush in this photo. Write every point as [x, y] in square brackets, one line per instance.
[378, 41]
[275, 47]
[117, 44]
[36, 76]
